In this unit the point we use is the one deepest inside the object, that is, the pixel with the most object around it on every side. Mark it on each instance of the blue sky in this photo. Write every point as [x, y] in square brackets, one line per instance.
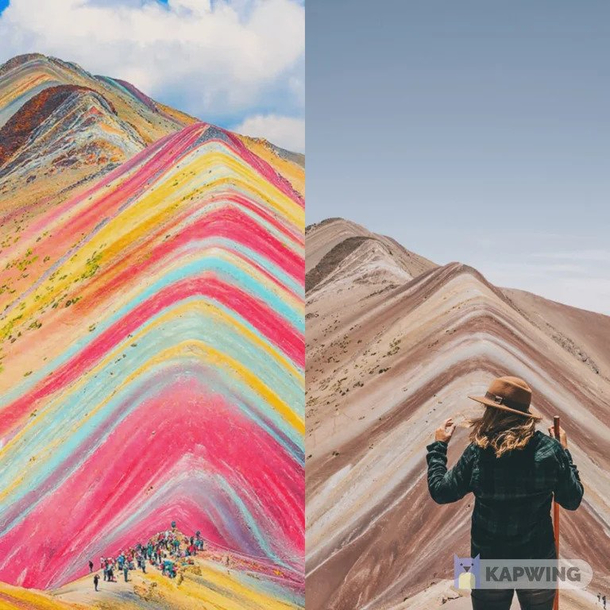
[474, 131]
[236, 63]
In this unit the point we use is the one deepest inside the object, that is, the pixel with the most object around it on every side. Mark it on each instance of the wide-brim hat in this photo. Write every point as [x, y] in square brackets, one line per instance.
[509, 394]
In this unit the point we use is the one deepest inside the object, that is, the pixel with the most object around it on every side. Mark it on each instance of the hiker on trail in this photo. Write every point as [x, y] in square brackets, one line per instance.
[514, 471]
[604, 600]
[125, 572]
[90, 566]
[96, 580]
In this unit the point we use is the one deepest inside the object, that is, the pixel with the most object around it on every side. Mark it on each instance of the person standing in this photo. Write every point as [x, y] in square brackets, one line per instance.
[125, 571]
[514, 471]
[96, 580]
[90, 566]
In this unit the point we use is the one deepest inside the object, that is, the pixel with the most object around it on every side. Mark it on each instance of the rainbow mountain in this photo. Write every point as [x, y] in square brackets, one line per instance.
[151, 338]
[395, 344]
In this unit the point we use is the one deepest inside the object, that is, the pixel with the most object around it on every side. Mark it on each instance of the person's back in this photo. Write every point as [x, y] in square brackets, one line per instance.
[514, 492]
[514, 472]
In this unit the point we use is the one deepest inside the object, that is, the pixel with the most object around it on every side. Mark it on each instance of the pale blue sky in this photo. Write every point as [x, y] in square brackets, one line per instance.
[474, 131]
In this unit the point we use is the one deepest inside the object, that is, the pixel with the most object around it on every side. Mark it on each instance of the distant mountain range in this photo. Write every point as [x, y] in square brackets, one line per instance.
[151, 338]
[395, 343]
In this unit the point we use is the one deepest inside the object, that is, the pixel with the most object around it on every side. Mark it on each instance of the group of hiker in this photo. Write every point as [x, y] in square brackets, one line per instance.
[601, 599]
[161, 551]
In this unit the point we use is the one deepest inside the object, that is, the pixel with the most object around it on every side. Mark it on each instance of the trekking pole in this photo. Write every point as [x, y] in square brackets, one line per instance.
[556, 514]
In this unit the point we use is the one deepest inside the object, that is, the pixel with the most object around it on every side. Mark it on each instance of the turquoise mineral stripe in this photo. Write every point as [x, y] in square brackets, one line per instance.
[195, 269]
[230, 245]
[74, 406]
[272, 588]
[249, 520]
[148, 386]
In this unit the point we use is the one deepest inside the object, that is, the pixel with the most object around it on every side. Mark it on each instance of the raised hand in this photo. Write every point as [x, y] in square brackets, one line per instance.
[445, 432]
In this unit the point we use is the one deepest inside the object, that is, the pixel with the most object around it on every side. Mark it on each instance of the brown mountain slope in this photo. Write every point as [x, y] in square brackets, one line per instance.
[23, 77]
[63, 128]
[388, 360]
[331, 241]
[582, 333]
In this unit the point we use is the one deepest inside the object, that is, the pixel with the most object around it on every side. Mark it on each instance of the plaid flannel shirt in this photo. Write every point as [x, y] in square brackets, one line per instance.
[513, 494]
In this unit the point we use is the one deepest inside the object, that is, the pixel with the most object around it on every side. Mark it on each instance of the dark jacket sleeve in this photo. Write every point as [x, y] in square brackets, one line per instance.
[568, 489]
[448, 486]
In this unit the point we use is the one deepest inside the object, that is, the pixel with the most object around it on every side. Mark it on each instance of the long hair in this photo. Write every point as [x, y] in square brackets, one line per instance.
[501, 430]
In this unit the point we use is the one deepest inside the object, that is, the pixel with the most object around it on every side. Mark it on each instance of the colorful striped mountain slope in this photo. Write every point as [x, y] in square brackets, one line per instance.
[395, 344]
[151, 348]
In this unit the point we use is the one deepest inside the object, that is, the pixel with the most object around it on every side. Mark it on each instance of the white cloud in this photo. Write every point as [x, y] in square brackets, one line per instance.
[283, 131]
[212, 59]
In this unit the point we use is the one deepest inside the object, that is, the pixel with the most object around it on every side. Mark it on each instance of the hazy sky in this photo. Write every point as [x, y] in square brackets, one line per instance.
[236, 63]
[470, 131]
